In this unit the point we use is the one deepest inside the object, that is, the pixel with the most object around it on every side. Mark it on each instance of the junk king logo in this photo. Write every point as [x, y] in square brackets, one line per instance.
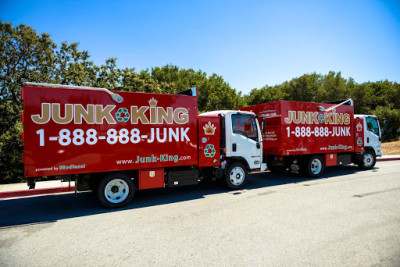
[111, 115]
[209, 128]
[310, 117]
[316, 124]
[122, 114]
[209, 151]
[97, 114]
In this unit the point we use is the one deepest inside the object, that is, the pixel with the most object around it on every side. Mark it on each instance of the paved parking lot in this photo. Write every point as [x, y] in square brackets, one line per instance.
[348, 217]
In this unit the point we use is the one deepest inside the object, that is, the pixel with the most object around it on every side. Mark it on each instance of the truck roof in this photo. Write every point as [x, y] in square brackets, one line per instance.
[224, 112]
[365, 115]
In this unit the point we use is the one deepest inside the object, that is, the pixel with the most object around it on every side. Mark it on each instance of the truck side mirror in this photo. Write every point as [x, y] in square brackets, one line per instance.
[385, 125]
[385, 129]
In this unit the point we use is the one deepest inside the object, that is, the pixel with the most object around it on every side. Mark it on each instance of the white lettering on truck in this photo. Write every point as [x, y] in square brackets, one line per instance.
[99, 114]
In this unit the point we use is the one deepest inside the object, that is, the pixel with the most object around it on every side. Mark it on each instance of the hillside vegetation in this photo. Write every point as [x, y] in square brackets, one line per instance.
[26, 56]
[391, 148]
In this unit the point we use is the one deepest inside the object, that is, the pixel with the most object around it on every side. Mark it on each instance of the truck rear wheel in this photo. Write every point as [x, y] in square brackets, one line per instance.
[314, 167]
[368, 160]
[115, 190]
[236, 175]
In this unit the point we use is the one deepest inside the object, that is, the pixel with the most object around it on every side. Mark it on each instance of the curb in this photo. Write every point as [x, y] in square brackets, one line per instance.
[35, 192]
[387, 159]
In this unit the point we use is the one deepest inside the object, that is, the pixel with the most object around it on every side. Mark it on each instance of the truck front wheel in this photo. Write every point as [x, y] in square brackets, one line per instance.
[314, 167]
[236, 175]
[115, 190]
[368, 160]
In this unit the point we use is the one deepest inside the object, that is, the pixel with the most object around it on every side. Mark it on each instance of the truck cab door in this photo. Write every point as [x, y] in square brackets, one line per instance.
[243, 138]
[372, 134]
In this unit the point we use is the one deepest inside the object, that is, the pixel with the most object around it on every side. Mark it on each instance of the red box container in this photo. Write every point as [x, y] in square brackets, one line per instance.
[151, 178]
[71, 131]
[331, 159]
[297, 128]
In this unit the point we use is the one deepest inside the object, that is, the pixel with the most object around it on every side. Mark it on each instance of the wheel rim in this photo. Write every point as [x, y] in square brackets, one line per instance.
[237, 176]
[316, 166]
[368, 160]
[116, 191]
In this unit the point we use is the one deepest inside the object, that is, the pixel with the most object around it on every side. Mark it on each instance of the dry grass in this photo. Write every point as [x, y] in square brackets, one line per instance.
[391, 148]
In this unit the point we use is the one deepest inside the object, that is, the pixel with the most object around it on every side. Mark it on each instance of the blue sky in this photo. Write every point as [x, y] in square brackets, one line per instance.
[249, 43]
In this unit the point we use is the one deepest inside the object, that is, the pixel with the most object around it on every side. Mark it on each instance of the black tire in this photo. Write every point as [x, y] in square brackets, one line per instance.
[115, 190]
[368, 160]
[236, 175]
[313, 166]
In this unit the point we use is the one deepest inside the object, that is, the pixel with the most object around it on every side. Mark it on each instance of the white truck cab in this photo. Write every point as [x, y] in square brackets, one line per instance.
[242, 137]
[372, 133]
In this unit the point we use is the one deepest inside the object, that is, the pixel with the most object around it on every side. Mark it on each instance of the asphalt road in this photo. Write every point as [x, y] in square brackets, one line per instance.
[348, 217]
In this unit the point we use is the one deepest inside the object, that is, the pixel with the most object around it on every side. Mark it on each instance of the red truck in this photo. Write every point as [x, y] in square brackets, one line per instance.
[305, 137]
[117, 143]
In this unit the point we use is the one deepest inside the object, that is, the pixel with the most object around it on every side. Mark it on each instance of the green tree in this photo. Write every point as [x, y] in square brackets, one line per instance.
[213, 91]
[304, 88]
[333, 87]
[24, 56]
[74, 67]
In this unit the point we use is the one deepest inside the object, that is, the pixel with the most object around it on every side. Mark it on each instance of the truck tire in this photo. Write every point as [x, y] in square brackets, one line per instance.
[314, 166]
[368, 160]
[236, 175]
[115, 190]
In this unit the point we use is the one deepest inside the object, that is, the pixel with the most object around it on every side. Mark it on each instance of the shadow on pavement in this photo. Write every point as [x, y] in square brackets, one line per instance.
[51, 208]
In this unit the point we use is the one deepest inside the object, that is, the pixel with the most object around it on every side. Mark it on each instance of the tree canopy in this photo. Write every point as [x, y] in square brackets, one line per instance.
[26, 56]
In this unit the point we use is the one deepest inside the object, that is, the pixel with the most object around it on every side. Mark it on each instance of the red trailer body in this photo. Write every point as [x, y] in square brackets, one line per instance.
[71, 131]
[299, 128]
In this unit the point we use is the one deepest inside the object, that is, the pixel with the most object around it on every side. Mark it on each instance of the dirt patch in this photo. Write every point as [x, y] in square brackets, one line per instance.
[391, 148]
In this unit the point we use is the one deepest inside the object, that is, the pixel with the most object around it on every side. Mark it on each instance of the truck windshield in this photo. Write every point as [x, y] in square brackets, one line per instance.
[372, 125]
[245, 125]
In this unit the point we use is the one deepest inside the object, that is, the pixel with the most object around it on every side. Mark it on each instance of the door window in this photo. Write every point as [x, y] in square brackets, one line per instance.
[372, 125]
[245, 125]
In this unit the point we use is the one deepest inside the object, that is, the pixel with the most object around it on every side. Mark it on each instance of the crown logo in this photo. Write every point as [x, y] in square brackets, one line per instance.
[359, 127]
[153, 102]
[209, 128]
